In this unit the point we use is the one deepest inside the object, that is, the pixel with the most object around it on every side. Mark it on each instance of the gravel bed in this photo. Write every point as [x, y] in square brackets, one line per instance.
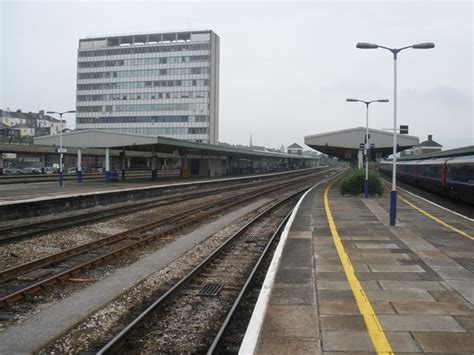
[119, 312]
[188, 321]
[19, 252]
[38, 302]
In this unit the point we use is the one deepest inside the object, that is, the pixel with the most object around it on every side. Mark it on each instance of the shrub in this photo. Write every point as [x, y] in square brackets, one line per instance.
[353, 183]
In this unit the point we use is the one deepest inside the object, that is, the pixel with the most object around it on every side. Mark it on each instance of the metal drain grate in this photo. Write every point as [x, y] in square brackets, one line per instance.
[252, 239]
[210, 289]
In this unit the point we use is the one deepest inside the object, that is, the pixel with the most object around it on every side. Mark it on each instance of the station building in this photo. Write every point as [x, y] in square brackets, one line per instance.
[164, 84]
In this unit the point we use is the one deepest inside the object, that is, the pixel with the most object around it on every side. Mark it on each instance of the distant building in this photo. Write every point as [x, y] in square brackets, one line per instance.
[7, 131]
[310, 153]
[428, 146]
[30, 124]
[295, 149]
[164, 84]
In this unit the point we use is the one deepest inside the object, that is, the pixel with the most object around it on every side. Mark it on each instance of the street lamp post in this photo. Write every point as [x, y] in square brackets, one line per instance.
[394, 51]
[367, 145]
[61, 172]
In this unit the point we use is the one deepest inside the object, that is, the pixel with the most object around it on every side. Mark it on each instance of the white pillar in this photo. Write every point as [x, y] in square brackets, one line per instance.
[123, 164]
[360, 159]
[79, 159]
[107, 165]
[43, 162]
[79, 165]
[153, 164]
[107, 159]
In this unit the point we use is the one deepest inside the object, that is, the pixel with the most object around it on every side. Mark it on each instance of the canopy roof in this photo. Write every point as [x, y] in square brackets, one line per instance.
[345, 144]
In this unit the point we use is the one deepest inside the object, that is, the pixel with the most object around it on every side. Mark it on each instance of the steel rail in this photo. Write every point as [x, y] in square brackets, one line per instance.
[50, 225]
[114, 345]
[24, 292]
[15, 271]
[249, 280]
[215, 343]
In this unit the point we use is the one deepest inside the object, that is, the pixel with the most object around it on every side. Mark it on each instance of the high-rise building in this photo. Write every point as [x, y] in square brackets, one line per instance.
[164, 84]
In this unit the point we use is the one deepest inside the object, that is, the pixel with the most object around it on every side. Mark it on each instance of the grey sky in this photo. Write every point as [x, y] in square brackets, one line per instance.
[286, 68]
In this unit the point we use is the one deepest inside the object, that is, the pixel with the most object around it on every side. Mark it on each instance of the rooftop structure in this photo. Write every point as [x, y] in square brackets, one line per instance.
[163, 84]
[37, 123]
[425, 147]
[456, 152]
[345, 144]
[295, 149]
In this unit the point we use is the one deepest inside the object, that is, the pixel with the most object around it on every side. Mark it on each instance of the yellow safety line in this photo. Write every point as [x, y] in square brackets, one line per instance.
[464, 234]
[376, 333]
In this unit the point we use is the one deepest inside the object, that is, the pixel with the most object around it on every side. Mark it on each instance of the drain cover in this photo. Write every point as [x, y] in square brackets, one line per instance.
[252, 239]
[210, 289]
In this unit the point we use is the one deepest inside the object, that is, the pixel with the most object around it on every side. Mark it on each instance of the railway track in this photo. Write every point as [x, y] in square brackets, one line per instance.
[20, 282]
[32, 229]
[193, 314]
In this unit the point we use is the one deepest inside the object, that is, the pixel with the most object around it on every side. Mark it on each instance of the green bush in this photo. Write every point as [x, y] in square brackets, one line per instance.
[353, 183]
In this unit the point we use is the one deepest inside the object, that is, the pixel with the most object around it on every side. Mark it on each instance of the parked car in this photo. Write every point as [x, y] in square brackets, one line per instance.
[50, 170]
[71, 171]
[11, 171]
[30, 171]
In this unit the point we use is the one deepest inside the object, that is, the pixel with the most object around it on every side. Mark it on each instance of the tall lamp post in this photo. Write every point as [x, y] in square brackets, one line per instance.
[394, 51]
[367, 145]
[61, 173]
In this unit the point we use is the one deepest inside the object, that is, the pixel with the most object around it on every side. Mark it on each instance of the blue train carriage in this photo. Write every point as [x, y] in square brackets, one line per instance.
[445, 176]
[460, 178]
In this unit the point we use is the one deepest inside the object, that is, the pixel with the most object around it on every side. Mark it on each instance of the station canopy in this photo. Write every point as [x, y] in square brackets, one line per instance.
[144, 143]
[345, 144]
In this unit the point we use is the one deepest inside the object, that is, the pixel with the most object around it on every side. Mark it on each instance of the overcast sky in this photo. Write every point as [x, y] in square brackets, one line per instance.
[286, 68]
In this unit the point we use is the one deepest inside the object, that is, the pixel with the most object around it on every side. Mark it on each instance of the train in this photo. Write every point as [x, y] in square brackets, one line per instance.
[453, 177]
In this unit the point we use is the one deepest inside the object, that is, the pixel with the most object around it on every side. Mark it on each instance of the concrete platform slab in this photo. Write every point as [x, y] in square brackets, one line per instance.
[445, 342]
[419, 322]
[417, 277]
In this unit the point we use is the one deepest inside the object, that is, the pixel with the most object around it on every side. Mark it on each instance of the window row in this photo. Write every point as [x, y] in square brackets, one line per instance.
[144, 61]
[145, 96]
[143, 84]
[142, 50]
[138, 73]
[162, 131]
[143, 119]
[150, 107]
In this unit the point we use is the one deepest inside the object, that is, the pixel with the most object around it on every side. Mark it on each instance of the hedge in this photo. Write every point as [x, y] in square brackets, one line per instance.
[353, 183]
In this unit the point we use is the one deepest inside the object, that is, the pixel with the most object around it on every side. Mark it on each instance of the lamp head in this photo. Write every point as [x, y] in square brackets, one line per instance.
[352, 100]
[383, 100]
[428, 45]
[363, 45]
[51, 112]
[72, 111]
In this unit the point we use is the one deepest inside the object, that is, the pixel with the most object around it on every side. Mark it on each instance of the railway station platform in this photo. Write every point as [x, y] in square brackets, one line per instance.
[14, 193]
[10, 193]
[343, 280]
[36, 200]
